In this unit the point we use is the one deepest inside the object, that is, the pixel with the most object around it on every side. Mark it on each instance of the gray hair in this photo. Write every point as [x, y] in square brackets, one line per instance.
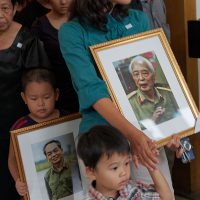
[141, 60]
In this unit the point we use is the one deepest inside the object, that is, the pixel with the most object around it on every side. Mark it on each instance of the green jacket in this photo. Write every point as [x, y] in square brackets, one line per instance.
[144, 109]
[59, 184]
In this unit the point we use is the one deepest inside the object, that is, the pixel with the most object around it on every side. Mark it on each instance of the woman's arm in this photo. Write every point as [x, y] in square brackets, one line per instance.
[140, 143]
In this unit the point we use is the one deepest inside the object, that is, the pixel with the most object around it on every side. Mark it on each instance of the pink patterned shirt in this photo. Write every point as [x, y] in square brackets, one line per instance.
[132, 191]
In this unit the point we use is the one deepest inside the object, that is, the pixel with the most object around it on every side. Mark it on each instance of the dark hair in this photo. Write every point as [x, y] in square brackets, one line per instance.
[96, 13]
[17, 1]
[52, 141]
[37, 75]
[72, 10]
[99, 141]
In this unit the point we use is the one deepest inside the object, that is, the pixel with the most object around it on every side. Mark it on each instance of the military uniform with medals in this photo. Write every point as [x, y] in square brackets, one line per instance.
[144, 108]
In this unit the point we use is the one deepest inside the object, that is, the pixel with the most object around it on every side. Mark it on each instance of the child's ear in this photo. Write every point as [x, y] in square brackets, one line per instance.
[23, 97]
[57, 91]
[90, 173]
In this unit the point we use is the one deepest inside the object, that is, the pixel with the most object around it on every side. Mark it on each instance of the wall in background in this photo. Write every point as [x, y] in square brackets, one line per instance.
[198, 17]
[185, 10]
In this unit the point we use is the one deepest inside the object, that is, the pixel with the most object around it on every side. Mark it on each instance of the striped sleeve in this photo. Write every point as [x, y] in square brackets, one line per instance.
[20, 123]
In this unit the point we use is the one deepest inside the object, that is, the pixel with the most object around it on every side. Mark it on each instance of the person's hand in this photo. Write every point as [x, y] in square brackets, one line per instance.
[175, 145]
[158, 113]
[143, 151]
[179, 152]
[21, 187]
[154, 148]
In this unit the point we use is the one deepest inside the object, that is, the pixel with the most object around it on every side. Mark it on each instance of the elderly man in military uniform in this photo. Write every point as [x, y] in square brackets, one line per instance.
[149, 102]
[58, 178]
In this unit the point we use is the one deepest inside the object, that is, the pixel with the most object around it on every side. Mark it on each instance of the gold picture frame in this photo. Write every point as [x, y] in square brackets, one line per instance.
[114, 58]
[28, 143]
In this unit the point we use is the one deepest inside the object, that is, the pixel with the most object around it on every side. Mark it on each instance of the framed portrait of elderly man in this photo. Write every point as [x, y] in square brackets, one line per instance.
[47, 160]
[146, 84]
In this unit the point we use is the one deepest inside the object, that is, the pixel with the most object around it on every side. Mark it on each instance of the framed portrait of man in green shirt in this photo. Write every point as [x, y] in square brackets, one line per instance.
[146, 84]
[47, 159]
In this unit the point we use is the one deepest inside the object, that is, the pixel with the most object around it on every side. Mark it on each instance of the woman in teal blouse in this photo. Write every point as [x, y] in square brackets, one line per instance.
[100, 21]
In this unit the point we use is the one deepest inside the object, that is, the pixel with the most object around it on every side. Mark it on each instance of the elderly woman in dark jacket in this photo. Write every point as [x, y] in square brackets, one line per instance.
[19, 50]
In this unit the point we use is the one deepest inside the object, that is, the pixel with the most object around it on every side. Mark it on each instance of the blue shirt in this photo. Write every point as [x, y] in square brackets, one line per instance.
[75, 39]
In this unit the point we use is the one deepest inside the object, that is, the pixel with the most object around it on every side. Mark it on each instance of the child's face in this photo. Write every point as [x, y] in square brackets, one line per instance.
[40, 98]
[62, 7]
[112, 174]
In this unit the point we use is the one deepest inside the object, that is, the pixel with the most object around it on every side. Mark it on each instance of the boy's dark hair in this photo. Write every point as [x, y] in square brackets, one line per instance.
[52, 141]
[99, 141]
[37, 75]
[96, 13]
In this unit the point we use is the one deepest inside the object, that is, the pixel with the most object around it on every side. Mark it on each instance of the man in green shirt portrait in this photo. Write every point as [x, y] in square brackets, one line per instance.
[58, 178]
[148, 101]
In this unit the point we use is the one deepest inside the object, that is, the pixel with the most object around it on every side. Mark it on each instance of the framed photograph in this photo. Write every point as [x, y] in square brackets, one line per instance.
[146, 84]
[47, 160]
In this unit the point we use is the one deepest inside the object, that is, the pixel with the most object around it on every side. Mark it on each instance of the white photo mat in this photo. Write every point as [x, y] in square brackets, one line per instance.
[107, 53]
[28, 144]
